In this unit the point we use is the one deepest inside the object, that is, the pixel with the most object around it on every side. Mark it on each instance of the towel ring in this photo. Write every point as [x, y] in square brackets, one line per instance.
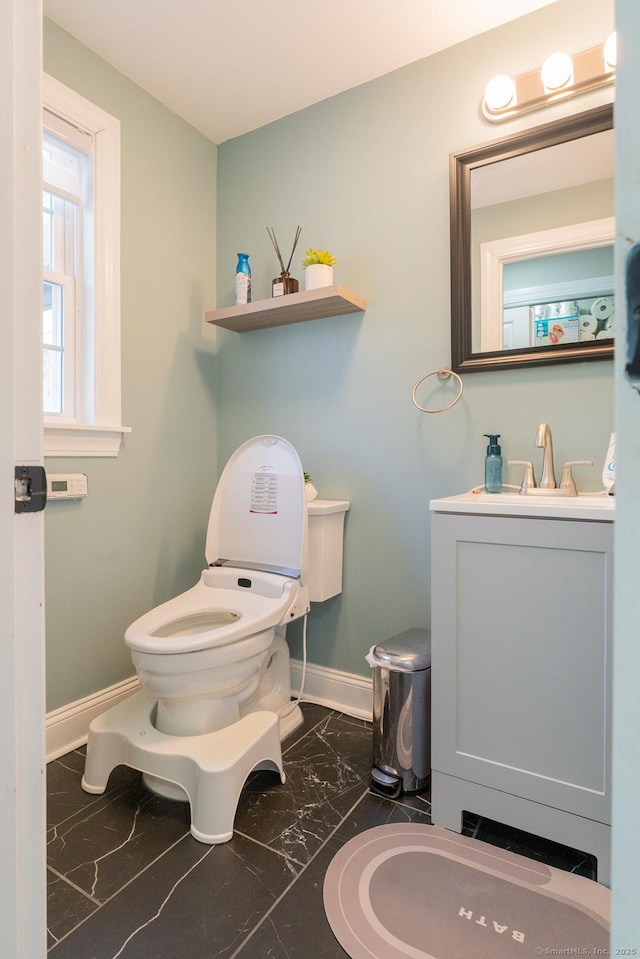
[442, 375]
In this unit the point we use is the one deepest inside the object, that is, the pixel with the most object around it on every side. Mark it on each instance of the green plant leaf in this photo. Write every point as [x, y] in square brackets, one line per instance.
[318, 256]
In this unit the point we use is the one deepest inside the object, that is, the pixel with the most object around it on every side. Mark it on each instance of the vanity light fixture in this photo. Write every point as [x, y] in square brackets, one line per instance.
[611, 52]
[500, 93]
[557, 72]
[560, 78]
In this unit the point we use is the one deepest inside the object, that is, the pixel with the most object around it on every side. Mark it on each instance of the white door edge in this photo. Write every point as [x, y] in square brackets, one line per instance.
[22, 790]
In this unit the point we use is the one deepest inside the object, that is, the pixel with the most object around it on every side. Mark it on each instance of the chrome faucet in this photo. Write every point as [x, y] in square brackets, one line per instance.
[543, 441]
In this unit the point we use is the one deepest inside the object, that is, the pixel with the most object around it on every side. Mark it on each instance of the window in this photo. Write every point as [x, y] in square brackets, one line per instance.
[67, 174]
[81, 276]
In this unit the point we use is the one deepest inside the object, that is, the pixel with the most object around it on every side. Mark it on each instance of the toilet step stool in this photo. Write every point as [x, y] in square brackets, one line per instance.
[211, 768]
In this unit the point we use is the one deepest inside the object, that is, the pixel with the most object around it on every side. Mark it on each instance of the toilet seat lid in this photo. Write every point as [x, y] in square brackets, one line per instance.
[258, 516]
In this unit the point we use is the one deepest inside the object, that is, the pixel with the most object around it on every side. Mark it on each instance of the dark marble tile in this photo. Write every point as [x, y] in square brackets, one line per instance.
[66, 907]
[374, 811]
[356, 721]
[312, 714]
[102, 848]
[64, 793]
[533, 847]
[195, 902]
[73, 761]
[327, 771]
[421, 802]
[297, 928]
[65, 796]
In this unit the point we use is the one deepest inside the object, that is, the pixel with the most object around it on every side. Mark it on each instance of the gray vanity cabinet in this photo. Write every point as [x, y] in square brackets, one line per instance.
[521, 667]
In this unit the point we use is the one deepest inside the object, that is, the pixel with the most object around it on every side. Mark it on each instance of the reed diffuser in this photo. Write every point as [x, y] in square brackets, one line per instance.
[284, 283]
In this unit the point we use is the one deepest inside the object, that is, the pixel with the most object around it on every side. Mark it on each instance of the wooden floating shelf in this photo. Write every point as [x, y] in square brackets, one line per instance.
[292, 308]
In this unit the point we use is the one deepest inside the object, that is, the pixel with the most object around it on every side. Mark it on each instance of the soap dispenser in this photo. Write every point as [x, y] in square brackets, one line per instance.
[493, 465]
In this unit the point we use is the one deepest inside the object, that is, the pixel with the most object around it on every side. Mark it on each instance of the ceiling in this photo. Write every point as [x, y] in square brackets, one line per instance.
[228, 68]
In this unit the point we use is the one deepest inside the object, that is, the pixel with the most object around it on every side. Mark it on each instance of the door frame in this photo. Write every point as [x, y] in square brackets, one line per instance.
[22, 698]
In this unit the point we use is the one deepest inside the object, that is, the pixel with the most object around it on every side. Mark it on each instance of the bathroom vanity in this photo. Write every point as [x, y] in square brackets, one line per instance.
[521, 665]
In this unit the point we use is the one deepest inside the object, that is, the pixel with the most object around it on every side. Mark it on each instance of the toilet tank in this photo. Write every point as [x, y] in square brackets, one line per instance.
[326, 535]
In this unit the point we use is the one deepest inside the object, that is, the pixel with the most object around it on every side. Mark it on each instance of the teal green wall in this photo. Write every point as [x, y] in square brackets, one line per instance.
[366, 175]
[138, 538]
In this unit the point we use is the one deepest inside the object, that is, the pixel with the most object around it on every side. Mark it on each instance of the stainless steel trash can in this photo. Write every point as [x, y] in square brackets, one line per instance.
[402, 714]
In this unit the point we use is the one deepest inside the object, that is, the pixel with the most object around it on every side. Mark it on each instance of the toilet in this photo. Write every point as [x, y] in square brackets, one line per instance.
[213, 662]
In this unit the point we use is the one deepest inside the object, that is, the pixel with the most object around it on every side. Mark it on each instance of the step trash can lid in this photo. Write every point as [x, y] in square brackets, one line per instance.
[408, 652]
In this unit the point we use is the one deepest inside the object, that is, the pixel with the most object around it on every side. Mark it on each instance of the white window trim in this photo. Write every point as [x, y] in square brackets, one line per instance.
[495, 253]
[101, 436]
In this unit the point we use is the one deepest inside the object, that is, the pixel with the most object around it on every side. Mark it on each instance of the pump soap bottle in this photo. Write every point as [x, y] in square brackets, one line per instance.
[493, 465]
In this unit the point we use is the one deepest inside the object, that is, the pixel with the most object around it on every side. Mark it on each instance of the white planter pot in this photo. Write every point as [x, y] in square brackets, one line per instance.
[317, 275]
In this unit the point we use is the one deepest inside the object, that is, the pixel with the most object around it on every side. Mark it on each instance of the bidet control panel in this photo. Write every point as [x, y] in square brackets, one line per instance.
[67, 485]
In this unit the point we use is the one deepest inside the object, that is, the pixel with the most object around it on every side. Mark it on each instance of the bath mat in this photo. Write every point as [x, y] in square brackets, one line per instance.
[407, 891]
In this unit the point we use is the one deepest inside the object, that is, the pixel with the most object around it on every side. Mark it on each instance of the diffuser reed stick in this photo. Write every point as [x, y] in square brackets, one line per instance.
[284, 283]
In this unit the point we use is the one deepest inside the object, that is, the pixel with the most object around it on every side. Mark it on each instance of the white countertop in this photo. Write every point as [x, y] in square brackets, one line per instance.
[590, 506]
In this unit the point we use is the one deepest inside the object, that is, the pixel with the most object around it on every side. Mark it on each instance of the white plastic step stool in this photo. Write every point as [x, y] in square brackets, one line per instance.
[211, 769]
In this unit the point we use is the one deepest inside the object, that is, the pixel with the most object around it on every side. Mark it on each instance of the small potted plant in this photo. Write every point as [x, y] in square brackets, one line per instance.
[318, 266]
[310, 492]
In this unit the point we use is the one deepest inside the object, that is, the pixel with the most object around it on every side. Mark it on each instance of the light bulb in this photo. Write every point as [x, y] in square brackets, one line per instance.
[557, 72]
[610, 52]
[500, 92]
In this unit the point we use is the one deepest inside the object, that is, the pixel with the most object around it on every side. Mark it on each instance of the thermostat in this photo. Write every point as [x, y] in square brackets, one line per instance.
[66, 485]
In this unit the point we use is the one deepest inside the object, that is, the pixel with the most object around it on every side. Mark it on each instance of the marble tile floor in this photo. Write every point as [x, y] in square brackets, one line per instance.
[127, 881]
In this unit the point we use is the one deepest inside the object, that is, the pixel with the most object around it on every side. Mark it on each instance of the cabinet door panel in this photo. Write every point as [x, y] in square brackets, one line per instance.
[520, 618]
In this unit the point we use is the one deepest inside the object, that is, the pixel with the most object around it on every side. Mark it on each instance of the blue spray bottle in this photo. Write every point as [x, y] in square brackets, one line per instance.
[243, 280]
[493, 465]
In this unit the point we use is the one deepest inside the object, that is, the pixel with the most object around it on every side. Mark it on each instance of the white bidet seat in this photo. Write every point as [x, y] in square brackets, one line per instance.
[213, 662]
[215, 652]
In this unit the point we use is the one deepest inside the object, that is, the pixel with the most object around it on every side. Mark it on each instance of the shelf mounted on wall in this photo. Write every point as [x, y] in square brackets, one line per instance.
[282, 310]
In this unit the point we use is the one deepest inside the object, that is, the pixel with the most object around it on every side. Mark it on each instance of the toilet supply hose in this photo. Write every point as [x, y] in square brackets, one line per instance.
[296, 702]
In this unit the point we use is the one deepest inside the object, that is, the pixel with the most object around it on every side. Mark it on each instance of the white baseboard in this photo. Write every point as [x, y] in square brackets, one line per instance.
[68, 727]
[346, 692]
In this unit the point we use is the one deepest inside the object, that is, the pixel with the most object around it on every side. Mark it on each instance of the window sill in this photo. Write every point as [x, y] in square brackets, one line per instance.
[74, 440]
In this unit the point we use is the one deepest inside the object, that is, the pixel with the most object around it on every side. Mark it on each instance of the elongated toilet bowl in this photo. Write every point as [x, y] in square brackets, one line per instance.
[205, 654]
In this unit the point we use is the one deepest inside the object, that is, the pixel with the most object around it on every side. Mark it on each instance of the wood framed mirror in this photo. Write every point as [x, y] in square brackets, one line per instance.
[532, 230]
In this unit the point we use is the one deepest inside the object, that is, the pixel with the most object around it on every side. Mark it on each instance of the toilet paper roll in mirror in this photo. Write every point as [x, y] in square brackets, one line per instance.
[588, 327]
[602, 308]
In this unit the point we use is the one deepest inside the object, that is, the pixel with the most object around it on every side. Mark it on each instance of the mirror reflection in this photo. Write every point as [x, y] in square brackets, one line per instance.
[564, 298]
[532, 246]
